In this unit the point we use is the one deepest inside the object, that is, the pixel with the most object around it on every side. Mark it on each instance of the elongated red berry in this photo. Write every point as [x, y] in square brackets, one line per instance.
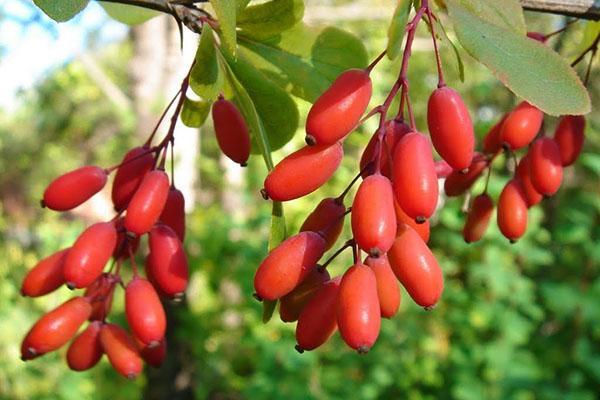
[144, 311]
[450, 127]
[288, 264]
[512, 211]
[303, 172]
[402, 218]
[55, 328]
[167, 264]
[442, 169]
[523, 174]
[74, 188]
[545, 166]
[358, 310]
[327, 218]
[147, 203]
[492, 141]
[153, 355]
[86, 350]
[569, 136]
[231, 130]
[458, 182]
[373, 215]
[521, 126]
[90, 253]
[415, 180]
[416, 268]
[318, 319]
[46, 276]
[126, 244]
[478, 218]
[173, 214]
[292, 303]
[134, 166]
[388, 290]
[394, 131]
[121, 351]
[337, 111]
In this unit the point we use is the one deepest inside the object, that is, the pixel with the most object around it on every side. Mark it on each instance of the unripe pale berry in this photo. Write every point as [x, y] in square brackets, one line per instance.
[147, 203]
[288, 264]
[74, 188]
[337, 111]
[358, 310]
[231, 130]
[303, 172]
[450, 127]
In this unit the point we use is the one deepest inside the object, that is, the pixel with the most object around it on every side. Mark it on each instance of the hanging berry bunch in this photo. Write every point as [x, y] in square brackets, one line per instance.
[397, 197]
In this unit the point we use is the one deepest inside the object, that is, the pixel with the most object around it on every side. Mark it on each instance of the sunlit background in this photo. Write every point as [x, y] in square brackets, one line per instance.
[515, 321]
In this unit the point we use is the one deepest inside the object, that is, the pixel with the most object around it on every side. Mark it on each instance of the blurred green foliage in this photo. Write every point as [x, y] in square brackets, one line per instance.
[515, 322]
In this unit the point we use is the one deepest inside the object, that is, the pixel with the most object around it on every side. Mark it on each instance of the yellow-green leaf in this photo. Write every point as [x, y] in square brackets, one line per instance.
[528, 68]
[507, 14]
[268, 19]
[61, 11]
[397, 28]
[226, 15]
[206, 79]
[195, 112]
[127, 14]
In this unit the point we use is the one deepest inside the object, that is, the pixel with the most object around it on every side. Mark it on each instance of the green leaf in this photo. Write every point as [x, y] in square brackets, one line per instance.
[195, 112]
[268, 310]
[590, 33]
[60, 10]
[397, 28]
[265, 20]
[226, 14]
[275, 107]
[206, 79]
[130, 15]
[506, 14]
[459, 62]
[528, 68]
[241, 6]
[304, 61]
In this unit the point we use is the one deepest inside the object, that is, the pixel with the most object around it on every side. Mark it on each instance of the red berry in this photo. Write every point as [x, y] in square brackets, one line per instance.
[90, 253]
[478, 218]
[388, 290]
[415, 180]
[327, 218]
[86, 350]
[521, 125]
[337, 111]
[402, 218]
[358, 310]
[126, 244]
[303, 172]
[231, 131]
[450, 127]
[394, 131]
[121, 351]
[173, 214]
[458, 182]
[492, 141]
[134, 166]
[55, 328]
[569, 136]
[545, 166]
[144, 311]
[100, 292]
[523, 174]
[416, 268]
[292, 303]
[167, 262]
[512, 211]
[153, 355]
[46, 276]
[147, 203]
[442, 169]
[373, 216]
[288, 264]
[74, 188]
[318, 319]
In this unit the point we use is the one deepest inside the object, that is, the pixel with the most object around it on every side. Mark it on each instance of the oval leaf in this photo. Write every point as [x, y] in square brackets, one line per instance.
[60, 10]
[265, 20]
[506, 14]
[126, 14]
[195, 112]
[397, 28]
[528, 68]
[205, 78]
[226, 14]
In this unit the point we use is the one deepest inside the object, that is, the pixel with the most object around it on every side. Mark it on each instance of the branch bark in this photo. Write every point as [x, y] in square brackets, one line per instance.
[586, 9]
